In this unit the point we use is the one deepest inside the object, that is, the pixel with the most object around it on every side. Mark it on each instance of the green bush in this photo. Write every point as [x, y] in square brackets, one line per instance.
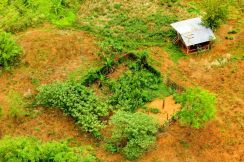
[17, 15]
[198, 106]
[132, 133]
[216, 12]
[75, 100]
[134, 88]
[23, 149]
[233, 31]
[9, 50]
[154, 110]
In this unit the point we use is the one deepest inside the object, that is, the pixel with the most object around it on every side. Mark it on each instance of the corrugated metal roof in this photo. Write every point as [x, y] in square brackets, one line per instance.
[193, 32]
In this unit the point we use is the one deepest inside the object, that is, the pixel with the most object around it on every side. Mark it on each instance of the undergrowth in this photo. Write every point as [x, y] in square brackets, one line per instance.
[132, 134]
[18, 15]
[134, 88]
[23, 149]
[76, 100]
[123, 33]
[17, 105]
[10, 51]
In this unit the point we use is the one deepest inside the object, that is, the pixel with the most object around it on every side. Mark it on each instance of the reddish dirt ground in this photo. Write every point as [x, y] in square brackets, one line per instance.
[223, 138]
[167, 109]
[47, 57]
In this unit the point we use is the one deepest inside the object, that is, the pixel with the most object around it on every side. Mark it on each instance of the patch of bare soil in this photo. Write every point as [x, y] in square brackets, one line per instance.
[167, 108]
[118, 71]
[49, 55]
[45, 124]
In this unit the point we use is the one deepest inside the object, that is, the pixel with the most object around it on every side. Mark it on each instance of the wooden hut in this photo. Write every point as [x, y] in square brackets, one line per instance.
[192, 36]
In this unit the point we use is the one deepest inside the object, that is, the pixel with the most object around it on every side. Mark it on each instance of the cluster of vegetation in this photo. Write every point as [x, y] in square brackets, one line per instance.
[124, 33]
[18, 15]
[23, 149]
[76, 100]
[198, 107]
[134, 88]
[216, 12]
[132, 134]
[10, 51]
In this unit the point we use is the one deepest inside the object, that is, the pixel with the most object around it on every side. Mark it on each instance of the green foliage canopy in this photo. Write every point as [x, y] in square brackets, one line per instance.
[75, 100]
[134, 88]
[17, 15]
[216, 12]
[198, 106]
[132, 133]
[10, 51]
[22, 149]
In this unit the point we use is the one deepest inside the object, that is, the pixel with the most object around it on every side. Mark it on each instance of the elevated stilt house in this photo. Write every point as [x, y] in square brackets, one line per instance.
[192, 36]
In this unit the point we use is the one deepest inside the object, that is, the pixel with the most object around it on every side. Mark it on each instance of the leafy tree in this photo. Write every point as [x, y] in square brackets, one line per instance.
[9, 50]
[216, 12]
[132, 133]
[198, 106]
[76, 100]
[22, 149]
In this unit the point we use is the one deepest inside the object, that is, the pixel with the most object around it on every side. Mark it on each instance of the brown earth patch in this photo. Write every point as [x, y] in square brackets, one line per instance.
[49, 55]
[167, 108]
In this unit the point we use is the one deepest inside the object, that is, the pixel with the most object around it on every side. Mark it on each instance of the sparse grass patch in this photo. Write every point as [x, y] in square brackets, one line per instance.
[1, 111]
[175, 52]
[122, 33]
[17, 105]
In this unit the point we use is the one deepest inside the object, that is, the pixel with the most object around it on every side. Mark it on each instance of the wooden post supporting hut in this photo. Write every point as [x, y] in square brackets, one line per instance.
[192, 36]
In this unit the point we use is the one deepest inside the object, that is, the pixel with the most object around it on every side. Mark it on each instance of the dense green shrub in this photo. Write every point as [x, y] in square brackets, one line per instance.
[9, 50]
[75, 100]
[22, 149]
[155, 110]
[216, 12]
[17, 15]
[134, 88]
[132, 133]
[198, 106]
